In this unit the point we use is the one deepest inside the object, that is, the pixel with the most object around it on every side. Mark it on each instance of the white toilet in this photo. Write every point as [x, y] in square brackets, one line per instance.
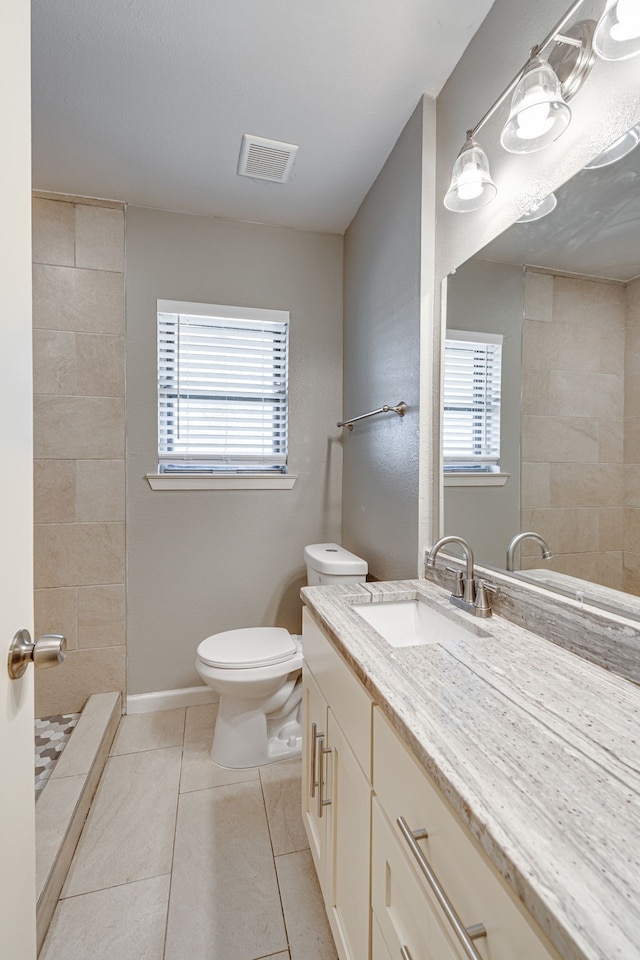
[257, 672]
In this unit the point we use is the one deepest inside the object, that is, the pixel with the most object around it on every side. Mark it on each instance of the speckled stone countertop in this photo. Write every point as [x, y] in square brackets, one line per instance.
[534, 747]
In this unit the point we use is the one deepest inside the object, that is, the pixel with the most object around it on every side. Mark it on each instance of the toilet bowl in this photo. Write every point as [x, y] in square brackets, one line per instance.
[257, 672]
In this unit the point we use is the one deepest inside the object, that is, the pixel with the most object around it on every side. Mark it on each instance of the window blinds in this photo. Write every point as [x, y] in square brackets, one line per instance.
[222, 390]
[471, 424]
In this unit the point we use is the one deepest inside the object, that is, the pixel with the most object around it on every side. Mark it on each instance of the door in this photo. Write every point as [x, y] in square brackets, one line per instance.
[17, 830]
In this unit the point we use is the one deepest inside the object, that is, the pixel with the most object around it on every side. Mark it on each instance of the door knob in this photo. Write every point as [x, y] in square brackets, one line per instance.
[48, 651]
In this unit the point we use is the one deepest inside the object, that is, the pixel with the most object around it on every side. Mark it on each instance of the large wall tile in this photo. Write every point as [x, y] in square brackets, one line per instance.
[56, 611]
[99, 365]
[74, 554]
[632, 486]
[82, 428]
[66, 298]
[611, 443]
[586, 484]
[101, 615]
[53, 232]
[54, 483]
[588, 303]
[566, 529]
[54, 362]
[66, 689]
[555, 346]
[100, 490]
[593, 395]
[538, 296]
[632, 441]
[99, 238]
[557, 439]
[610, 524]
[536, 490]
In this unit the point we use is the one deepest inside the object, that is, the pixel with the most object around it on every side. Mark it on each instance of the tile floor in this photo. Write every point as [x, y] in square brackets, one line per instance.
[51, 737]
[183, 860]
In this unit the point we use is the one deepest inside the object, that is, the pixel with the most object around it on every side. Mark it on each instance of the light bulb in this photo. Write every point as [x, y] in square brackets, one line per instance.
[534, 120]
[628, 25]
[470, 182]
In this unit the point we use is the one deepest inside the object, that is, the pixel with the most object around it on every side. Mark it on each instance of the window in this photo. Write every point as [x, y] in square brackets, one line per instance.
[471, 424]
[222, 389]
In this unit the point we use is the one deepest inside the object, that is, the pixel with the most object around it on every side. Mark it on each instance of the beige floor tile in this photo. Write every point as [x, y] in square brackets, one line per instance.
[222, 866]
[199, 772]
[125, 922]
[129, 832]
[281, 785]
[200, 722]
[149, 731]
[307, 925]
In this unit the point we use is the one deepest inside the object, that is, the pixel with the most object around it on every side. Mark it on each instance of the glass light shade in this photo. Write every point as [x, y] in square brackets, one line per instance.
[538, 113]
[540, 210]
[471, 185]
[616, 150]
[617, 35]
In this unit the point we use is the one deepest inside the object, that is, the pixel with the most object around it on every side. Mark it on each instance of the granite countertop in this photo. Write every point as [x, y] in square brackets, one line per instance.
[534, 747]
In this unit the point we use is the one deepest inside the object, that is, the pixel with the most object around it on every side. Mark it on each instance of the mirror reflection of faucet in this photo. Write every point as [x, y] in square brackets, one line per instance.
[527, 535]
[467, 594]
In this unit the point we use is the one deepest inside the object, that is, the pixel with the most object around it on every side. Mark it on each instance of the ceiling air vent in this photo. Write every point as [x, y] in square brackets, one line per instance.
[266, 159]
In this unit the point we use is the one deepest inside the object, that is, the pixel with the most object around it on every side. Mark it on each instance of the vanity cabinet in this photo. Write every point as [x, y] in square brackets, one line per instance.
[405, 907]
[337, 790]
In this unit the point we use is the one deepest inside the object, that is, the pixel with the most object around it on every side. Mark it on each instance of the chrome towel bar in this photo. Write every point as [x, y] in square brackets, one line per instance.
[400, 409]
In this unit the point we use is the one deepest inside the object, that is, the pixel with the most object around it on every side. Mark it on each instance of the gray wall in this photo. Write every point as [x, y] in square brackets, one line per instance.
[205, 561]
[382, 269]
[489, 297]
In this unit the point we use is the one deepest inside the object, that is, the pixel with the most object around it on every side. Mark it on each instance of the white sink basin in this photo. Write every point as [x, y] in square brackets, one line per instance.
[411, 623]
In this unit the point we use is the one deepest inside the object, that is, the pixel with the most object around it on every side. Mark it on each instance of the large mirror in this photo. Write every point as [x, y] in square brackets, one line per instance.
[562, 295]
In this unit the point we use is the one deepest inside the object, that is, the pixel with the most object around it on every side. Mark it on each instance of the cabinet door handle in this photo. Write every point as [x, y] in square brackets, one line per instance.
[322, 753]
[404, 954]
[464, 934]
[313, 783]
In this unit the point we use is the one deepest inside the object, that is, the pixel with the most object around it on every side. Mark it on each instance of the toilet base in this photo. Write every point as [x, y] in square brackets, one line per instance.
[245, 737]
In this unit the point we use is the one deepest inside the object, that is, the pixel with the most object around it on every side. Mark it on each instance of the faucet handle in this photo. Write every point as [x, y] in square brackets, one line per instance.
[483, 607]
[458, 587]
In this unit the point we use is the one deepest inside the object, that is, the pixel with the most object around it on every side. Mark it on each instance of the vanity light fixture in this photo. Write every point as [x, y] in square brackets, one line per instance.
[616, 150]
[617, 36]
[471, 185]
[539, 112]
[539, 210]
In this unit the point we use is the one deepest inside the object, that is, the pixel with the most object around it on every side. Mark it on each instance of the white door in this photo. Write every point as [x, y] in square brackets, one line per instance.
[17, 830]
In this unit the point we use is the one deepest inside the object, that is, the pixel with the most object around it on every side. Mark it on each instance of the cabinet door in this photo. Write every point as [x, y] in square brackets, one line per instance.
[314, 741]
[348, 855]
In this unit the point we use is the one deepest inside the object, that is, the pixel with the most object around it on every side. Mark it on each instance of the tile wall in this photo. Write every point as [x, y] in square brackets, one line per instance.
[79, 442]
[573, 423]
[631, 545]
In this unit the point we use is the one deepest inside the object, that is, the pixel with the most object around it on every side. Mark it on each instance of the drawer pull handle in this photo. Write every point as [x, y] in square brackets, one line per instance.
[464, 934]
[404, 954]
[313, 783]
[321, 753]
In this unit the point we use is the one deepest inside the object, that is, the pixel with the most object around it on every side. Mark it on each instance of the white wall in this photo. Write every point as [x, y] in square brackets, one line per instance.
[201, 562]
[382, 315]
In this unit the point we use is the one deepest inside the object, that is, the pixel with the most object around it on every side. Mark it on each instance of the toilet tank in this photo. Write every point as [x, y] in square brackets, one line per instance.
[329, 563]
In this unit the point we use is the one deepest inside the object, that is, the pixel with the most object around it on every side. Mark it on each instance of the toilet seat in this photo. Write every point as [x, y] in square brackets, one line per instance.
[247, 647]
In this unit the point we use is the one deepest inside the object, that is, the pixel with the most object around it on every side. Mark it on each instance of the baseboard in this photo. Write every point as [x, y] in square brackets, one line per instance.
[170, 699]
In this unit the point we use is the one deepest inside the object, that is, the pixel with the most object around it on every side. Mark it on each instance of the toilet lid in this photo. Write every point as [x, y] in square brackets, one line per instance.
[249, 647]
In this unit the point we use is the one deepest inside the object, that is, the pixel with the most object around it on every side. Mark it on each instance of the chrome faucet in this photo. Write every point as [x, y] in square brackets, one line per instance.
[466, 594]
[527, 535]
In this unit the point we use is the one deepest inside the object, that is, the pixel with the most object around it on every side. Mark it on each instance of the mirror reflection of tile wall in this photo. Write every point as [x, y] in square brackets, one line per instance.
[581, 411]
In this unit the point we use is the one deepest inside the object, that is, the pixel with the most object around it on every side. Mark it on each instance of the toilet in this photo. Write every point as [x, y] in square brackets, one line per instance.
[257, 672]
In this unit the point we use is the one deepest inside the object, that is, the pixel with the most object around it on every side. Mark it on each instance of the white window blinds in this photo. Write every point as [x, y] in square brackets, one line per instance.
[471, 424]
[222, 388]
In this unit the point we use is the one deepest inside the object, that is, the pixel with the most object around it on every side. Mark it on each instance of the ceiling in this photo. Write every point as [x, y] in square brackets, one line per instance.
[594, 231]
[146, 101]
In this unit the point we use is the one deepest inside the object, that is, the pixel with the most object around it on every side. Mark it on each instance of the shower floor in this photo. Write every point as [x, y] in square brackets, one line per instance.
[51, 737]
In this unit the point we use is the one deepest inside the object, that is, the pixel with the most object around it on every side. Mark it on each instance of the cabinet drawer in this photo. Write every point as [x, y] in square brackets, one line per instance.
[475, 889]
[349, 701]
[408, 917]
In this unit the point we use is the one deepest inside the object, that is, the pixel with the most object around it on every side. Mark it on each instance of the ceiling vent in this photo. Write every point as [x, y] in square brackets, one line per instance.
[266, 159]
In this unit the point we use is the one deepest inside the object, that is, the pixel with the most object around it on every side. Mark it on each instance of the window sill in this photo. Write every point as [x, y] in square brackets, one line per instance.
[475, 479]
[224, 481]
